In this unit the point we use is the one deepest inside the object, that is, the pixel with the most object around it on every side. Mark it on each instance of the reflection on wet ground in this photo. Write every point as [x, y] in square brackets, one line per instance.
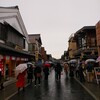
[65, 89]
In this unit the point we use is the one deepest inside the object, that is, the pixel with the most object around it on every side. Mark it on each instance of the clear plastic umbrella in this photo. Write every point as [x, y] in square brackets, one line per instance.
[72, 61]
[89, 60]
[20, 68]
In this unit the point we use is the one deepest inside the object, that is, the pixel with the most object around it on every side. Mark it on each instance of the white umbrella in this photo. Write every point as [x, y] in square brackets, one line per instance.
[30, 64]
[73, 61]
[89, 60]
[20, 68]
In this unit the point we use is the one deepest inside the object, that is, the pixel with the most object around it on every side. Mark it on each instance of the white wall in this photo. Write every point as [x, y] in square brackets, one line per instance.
[13, 17]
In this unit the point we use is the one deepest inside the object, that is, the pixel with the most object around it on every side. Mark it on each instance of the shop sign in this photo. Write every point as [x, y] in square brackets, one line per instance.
[22, 59]
[7, 57]
[26, 59]
[36, 55]
[12, 58]
[18, 58]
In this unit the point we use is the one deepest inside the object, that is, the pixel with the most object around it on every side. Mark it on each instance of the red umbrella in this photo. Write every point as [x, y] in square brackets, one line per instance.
[47, 65]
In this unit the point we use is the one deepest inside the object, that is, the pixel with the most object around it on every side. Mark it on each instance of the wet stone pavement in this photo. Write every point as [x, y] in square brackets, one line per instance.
[65, 89]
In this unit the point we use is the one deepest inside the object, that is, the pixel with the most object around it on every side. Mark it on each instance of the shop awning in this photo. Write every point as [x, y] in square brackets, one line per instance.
[6, 50]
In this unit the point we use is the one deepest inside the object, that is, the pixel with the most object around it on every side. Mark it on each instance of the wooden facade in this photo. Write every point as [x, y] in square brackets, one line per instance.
[86, 43]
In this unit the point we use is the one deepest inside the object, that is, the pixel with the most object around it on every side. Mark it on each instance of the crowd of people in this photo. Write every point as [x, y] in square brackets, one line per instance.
[36, 72]
[85, 72]
[82, 70]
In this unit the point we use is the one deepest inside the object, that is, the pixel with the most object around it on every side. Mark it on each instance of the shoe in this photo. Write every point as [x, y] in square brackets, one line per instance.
[23, 89]
[39, 84]
[18, 90]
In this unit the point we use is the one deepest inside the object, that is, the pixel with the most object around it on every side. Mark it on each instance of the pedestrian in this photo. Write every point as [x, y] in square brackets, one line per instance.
[66, 67]
[90, 71]
[1, 80]
[77, 70]
[58, 69]
[7, 71]
[71, 70]
[46, 71]
[37, 74]
[81, 72]
[20, 83]
[30, 73]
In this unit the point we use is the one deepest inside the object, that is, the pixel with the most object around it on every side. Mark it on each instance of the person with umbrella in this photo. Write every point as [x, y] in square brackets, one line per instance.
[81, 72]
[46, 70]
[58, 69]
[89, 70]
[29, 73]
[21, 71]
[37, 73]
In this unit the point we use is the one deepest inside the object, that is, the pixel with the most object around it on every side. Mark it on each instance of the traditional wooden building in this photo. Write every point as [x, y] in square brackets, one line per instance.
[43, 54]
[13, 40]
[72, 47]
[35, 45]
[86, 43]
[98, 36]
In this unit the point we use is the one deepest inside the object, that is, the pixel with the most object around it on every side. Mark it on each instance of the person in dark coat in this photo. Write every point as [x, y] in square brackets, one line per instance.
[7, 71]
[37, 74]
[58, 69]
[81, 75]
[46, 72]
[71, 70]
[29, 73]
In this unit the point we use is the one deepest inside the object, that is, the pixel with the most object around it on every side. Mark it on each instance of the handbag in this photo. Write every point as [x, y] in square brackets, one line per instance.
[84, 73]
[38, 75]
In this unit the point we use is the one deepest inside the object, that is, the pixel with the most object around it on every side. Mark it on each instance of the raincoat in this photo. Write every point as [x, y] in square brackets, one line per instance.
[21, 79]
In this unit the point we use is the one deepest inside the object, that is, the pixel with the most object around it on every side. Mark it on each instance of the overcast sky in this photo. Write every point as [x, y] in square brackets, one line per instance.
[56, 20]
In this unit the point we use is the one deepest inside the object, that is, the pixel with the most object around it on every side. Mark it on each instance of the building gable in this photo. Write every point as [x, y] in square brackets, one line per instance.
[12, 16]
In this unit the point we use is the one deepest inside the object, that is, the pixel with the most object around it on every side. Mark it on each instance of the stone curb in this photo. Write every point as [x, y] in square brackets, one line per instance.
[96, 98]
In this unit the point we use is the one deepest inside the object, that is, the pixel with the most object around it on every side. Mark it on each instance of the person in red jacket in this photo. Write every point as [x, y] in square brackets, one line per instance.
[20, 83]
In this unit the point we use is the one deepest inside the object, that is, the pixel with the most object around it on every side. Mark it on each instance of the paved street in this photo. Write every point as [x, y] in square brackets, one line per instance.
[65, 89]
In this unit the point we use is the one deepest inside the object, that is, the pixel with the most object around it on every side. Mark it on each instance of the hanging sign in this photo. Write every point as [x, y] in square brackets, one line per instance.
[12, 58]
[22, 59]
[7, 57]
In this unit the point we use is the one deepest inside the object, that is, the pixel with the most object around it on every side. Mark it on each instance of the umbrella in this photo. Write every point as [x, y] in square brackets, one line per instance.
[89, 60]
[47, 64]
[20, 68]
[50, 62]
[29, 64]
[98, 59]
[73, 61]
